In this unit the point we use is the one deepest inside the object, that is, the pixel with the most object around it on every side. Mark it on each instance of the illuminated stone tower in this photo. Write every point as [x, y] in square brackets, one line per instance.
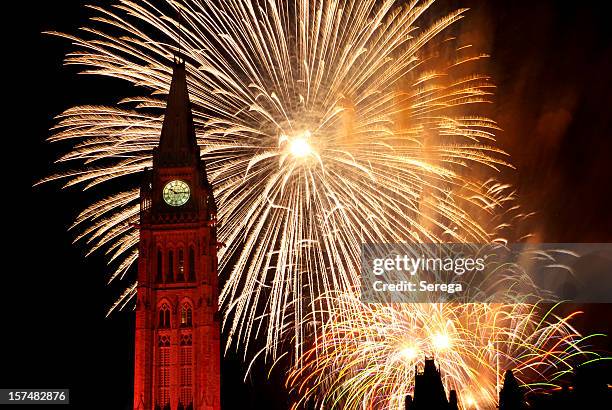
[177, 356]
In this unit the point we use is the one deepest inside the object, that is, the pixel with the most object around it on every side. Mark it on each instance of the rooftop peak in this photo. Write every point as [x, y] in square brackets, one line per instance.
[178, 144]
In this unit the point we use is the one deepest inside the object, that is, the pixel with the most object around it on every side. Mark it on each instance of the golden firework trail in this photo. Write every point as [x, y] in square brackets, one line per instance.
[367, 354]
[323, 124]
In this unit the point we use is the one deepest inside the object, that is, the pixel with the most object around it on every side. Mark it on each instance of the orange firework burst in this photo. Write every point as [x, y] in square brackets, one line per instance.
[366, 355]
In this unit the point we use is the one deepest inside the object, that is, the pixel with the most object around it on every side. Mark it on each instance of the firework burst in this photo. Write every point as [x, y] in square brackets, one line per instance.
[323, 124]
[366, 356]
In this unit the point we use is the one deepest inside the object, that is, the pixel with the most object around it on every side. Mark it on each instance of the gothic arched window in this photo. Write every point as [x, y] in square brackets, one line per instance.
[164, 317]
[170, 273]
[186, 315]
[191, 264]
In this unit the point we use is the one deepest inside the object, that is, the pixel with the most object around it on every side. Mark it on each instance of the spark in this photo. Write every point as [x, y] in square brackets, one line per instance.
[409, 353]
[470, 401]
[300, 147]
[441, 341]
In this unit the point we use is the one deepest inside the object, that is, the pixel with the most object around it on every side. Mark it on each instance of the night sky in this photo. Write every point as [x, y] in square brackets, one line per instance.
[551, 61]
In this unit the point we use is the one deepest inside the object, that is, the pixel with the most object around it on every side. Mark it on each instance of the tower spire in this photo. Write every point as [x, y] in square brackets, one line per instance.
[178, 144]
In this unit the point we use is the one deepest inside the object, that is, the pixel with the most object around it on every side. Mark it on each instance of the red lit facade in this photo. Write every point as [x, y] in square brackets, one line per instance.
[177, 356]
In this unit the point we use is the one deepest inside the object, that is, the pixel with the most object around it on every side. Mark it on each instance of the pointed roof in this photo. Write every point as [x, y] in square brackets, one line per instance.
[178, 144]
[510, 381]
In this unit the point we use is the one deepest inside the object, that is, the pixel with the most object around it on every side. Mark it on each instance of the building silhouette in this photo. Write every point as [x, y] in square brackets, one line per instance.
[511, 396]
[589, 390]
[429, 393]
[177, 355]
[453, 401]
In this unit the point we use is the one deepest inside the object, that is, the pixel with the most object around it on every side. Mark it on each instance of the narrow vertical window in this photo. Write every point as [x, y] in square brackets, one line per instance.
[191, 264]
[170, 273]
[186, 372]
[163, 373]
[167, 318]
[181, 266]
[186, 315]
[164, 317]
[160, 267]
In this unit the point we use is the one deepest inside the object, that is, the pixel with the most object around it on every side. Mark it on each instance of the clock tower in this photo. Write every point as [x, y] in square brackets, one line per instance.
[177, 356]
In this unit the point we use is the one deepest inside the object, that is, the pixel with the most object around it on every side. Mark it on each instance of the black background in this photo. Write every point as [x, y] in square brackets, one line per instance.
[552, 63]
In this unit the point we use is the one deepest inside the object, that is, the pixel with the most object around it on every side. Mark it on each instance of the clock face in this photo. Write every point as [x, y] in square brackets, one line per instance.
[176, 193]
